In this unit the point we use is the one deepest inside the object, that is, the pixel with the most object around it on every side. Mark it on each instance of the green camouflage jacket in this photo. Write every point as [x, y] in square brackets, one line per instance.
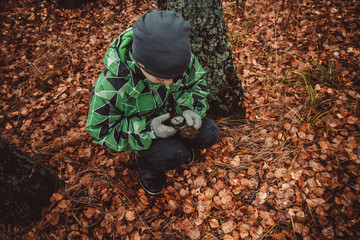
[123, 101]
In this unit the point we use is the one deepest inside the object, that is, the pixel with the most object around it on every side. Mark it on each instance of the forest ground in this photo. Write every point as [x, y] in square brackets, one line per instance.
[290, 171]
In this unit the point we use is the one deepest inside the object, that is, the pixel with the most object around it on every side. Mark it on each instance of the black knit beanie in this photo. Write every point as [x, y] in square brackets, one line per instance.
[161, 43]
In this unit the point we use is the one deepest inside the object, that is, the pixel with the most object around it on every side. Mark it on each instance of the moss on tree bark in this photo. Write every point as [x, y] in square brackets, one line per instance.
[25, 186]
[211, 46]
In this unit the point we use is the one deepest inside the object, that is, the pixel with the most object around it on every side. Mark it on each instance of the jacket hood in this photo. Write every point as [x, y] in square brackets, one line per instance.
[116, 53]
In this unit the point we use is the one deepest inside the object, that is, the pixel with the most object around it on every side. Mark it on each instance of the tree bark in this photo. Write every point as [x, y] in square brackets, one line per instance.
[25, 186]
[211, 46]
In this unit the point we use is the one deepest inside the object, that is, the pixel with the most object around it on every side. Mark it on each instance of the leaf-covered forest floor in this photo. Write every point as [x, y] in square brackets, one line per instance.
[290, 172]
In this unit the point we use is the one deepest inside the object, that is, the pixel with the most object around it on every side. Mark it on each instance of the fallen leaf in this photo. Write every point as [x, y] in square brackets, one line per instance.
[214, 223]
[315, 202]
[130, 215]
[228, 227]
[56, 197]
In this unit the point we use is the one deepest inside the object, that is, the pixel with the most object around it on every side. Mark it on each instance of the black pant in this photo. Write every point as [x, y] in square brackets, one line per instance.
[170, 153]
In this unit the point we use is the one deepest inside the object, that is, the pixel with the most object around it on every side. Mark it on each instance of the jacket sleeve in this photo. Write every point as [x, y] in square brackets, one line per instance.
[109, 127]
[196, 91]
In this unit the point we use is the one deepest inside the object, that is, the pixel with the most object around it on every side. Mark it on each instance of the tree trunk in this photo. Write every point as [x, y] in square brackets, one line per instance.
[25, 186]
[211, 46]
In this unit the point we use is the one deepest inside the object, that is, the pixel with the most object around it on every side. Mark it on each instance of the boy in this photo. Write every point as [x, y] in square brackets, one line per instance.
[150, 76]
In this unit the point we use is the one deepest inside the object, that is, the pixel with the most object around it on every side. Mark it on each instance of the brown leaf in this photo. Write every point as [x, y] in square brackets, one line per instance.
[202, 206]
[226, 199]
[262, 195]
[200, 182]
[186, 225]
[324, 145]
[89, 212]
[53, 218]
[316, 166]
[144, 200]
[278, 236]
[209, 193]
[228, 237]
[63, 204]
[85, 152]
[137, 236]
[157, 224]
[279, 173]
[112, 2]
[328, 232]
[352, 120]
[69, 168]
[173, 205]
[188, 208]
[312, 48]
[268, 142]
[352, 145]
[214, 223]
[252, 116]
[56, 197]
[315, 202]
[130, 215]
[228, 227]
[287, 126]
[194, 233]
[252, 171]
[244, 230]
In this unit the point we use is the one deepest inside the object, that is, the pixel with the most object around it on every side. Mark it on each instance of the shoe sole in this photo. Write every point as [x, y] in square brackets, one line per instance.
[151, 193]
[193, 156]
[142, 186]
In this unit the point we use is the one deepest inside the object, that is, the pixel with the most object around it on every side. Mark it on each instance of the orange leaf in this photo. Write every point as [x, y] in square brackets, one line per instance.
[130, 216]
[56, 197]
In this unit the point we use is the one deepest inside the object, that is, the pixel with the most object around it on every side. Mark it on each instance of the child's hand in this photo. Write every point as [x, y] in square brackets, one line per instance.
[192, 119]
[161, 130]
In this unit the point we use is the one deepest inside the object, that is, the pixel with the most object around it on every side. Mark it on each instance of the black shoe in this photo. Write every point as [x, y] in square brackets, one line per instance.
[151, 181]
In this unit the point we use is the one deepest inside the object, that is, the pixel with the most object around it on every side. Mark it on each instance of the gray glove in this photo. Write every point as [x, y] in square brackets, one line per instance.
[192, 119]
[161, 130]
